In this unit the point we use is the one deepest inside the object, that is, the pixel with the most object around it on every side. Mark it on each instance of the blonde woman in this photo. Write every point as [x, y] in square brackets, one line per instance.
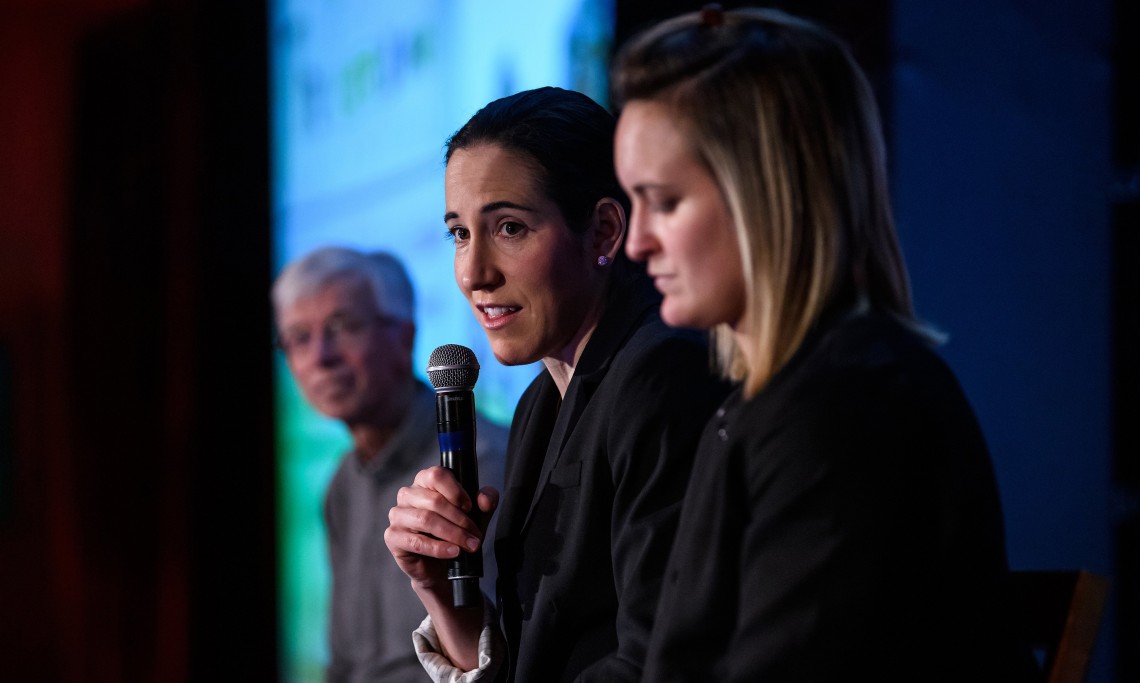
[843, 520]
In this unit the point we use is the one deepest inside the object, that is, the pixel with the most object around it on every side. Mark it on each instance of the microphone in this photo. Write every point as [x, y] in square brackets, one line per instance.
[453, 370]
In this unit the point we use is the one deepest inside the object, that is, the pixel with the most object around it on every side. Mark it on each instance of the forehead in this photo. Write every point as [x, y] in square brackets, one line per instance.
[648, 126]
[342, 294]
[652, 149]
[487, 173]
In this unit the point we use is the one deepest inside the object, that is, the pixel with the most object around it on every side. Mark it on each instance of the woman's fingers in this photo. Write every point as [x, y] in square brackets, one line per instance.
[487, 502]
[430, 507]
[443, 482]
[488, 499]
[444, 526]
[402, 541]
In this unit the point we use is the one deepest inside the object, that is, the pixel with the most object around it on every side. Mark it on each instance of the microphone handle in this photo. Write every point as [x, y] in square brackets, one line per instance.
[455, 416]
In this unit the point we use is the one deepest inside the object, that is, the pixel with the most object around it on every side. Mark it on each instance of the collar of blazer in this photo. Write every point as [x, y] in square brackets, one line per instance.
[631, 300]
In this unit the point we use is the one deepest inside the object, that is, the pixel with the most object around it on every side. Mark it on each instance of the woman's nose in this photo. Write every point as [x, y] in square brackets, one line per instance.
[639, 242]
[477, 268]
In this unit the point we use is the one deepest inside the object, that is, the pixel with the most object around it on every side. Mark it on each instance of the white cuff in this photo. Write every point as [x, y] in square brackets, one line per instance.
[441, 669]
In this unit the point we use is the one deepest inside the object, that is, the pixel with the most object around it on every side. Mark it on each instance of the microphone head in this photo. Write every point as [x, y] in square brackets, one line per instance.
[452, 367]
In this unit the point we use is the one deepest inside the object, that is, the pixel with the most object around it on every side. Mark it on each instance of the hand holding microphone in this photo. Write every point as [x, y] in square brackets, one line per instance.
[429, 529]
[453, 371]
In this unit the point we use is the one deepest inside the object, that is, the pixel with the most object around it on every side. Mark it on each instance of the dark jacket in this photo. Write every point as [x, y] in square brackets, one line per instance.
[843, 524]
[593, 490]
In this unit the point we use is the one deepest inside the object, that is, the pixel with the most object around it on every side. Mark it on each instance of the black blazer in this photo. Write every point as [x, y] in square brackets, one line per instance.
[593, 490]
[843, 524]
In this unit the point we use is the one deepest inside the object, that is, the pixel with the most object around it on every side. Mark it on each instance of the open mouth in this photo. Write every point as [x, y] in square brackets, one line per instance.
[495, 316]
[494, 312]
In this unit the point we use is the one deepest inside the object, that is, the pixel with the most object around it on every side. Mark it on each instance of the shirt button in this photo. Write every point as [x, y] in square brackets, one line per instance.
[722, 433]
[720, 412]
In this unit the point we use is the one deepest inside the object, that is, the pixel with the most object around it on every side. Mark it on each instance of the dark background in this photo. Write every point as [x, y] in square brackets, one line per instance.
[137, 530]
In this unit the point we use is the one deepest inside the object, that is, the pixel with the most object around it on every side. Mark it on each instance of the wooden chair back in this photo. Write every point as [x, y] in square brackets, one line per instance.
[1059, 614]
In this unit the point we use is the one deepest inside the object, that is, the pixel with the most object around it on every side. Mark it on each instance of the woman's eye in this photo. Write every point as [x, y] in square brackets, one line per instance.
[663, 205]
[510, 228]
[457, 233]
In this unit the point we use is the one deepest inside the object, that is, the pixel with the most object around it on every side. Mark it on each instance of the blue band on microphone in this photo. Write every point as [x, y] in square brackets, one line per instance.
[455, 441]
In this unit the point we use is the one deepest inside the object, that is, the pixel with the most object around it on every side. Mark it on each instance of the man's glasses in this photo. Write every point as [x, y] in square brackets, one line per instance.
[338, 329]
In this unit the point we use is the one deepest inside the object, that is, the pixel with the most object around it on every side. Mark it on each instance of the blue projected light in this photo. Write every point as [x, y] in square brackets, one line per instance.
[365, 94]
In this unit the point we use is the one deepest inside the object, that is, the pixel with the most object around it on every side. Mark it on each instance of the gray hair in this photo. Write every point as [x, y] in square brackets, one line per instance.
[391, 287]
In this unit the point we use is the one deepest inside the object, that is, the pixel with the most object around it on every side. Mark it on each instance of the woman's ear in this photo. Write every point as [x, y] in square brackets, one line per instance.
[608, 228]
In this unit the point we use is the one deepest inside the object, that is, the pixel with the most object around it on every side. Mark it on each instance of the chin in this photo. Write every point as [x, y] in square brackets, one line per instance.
[694, 315]
[511, 360]
[678, 318]
[506, 355]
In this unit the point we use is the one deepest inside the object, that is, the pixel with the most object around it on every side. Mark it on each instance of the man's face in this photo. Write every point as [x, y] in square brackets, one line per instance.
[350, 361]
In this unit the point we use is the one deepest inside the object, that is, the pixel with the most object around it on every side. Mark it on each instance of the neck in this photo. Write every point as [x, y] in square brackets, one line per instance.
[561, 366]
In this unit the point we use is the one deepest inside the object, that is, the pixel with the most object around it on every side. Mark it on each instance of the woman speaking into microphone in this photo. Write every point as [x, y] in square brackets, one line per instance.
[602, 441]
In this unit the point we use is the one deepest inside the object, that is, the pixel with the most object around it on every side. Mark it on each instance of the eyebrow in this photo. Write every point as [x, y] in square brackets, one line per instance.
[490, 208]
[642, 188]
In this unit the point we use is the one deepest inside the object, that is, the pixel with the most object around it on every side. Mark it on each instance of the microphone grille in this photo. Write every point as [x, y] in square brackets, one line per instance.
[452, 366]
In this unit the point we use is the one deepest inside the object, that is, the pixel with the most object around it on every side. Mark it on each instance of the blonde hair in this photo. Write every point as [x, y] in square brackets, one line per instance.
[779, 112]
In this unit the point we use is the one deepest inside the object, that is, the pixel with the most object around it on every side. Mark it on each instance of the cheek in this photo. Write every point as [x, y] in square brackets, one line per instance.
[545, 275]
[572, 289]
[302, 374]
[367, 365]
[717, 239]
[689, 243]
[308, 383]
